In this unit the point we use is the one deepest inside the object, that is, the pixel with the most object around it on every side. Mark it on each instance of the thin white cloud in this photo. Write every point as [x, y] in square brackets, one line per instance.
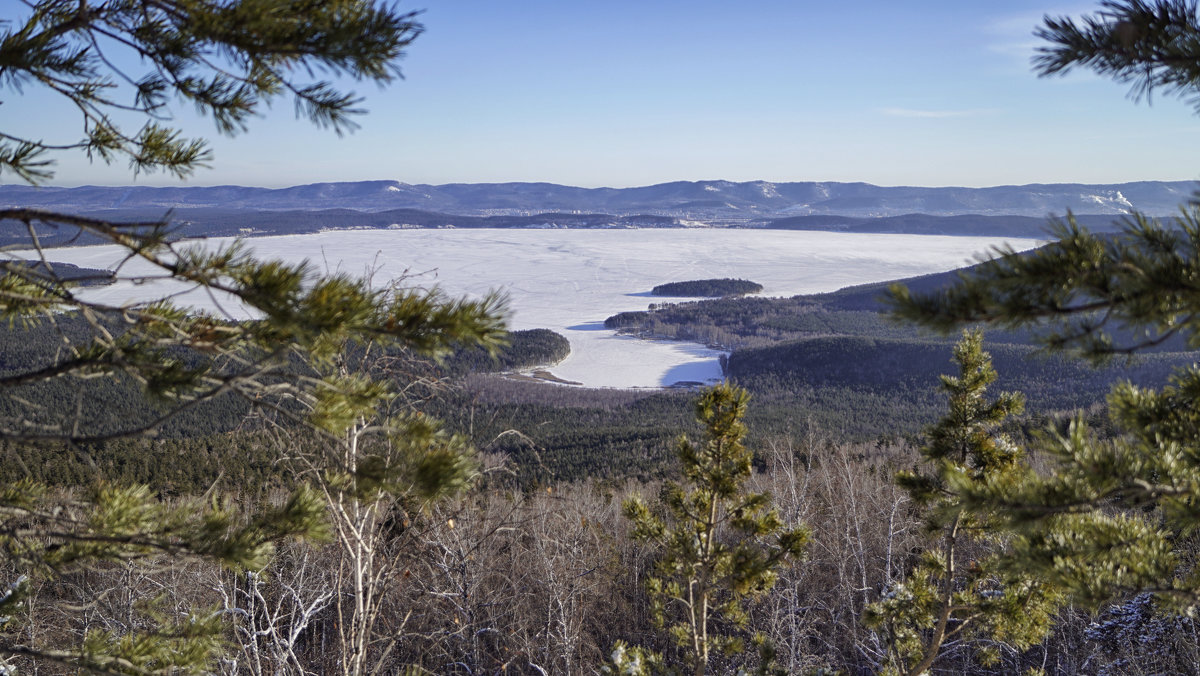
[932, 114]
[1024, 49]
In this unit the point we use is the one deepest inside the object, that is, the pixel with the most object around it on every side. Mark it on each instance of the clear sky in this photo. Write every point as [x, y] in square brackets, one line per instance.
[633, 92]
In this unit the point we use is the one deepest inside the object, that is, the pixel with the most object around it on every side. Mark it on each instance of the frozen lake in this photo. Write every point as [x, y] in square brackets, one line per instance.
[571, 280]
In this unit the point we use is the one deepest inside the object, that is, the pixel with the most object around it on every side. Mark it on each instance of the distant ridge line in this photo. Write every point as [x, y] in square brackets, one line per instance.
[711, 202]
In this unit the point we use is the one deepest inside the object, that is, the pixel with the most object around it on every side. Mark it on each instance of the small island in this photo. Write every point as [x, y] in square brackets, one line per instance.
[66, 272]
[707, 288]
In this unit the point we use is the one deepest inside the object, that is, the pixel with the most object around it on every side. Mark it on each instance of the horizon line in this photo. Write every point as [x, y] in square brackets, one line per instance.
[579, 187]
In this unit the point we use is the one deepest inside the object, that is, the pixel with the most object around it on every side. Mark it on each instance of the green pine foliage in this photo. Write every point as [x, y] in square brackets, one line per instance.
[228, 59]
[1114, 515]
[46, 535]
[959, 592]
[717, 544]
[287, 364]
[1147, 44]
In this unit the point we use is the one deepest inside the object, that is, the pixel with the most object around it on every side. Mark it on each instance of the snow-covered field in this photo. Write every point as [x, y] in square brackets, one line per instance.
[571, 280]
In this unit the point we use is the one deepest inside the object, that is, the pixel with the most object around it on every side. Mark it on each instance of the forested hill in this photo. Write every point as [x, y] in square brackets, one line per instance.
[226, 222]
[118, 404]
[784, 347]
[924, 224]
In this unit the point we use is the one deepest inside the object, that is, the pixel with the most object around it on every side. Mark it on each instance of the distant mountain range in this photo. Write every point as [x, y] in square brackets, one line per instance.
[709, 199]
[1013, 211]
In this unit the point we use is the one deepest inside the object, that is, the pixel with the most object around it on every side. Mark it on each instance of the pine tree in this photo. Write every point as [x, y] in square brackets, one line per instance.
[1115, 515]
[717, 544]
[229, 59]
[960, 591]
[1149, 44]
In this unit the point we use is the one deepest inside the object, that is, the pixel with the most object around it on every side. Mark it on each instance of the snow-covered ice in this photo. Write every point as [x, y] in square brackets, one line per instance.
[571, 280]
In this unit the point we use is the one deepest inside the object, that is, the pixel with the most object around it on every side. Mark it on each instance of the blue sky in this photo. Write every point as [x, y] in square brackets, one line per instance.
[623, 93]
